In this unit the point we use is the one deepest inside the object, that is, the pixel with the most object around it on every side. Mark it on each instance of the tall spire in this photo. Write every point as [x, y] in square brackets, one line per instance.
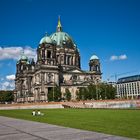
[59, 27]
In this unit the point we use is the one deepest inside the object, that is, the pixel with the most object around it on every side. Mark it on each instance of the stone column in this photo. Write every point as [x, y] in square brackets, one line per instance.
[74, 60]
[46, 94]
[66, 60]
[42, 83]
[71, 60]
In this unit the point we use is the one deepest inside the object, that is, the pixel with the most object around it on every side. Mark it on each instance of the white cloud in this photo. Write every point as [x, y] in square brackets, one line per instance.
[120, 57]
[15, 52]
[7, 85]
[113, 57]
[10, 77]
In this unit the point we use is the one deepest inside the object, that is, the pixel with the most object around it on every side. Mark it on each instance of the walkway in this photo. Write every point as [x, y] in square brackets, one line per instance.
[15, 129]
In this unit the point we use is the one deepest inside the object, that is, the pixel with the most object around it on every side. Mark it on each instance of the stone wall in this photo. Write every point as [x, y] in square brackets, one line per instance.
[27, 106]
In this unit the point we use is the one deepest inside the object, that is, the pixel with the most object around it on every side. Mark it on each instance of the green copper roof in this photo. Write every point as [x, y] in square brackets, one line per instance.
[61, 38]
[45, 39]
[93, 57]
[23, 57]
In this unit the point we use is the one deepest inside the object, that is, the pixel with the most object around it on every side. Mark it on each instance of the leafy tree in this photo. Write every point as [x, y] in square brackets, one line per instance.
[91, 92]
[54, 94]
[1, 97]
[82, 94]
[99, 91]
[107, 91]
[67, 95]
[9, 97]
[111, 92]
[79, 94]
[50, 95]
[102, 91]
[6, 96]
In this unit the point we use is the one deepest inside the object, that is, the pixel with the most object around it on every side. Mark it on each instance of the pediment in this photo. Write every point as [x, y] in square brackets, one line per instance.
[76, 71]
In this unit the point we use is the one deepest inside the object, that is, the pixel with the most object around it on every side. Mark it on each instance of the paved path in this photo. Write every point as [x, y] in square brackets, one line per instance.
[15, 129]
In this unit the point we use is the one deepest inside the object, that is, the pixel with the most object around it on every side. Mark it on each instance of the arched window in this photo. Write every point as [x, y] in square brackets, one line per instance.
[48, 54]
[43, 54]
[69, 60]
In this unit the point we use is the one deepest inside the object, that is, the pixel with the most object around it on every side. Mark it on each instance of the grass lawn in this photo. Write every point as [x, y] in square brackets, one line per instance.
[117, 122]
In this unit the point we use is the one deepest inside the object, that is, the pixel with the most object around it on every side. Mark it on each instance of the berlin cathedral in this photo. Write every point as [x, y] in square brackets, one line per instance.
[58, 64]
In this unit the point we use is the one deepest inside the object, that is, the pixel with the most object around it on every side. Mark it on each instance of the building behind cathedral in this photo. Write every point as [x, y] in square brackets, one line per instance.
[58, 64]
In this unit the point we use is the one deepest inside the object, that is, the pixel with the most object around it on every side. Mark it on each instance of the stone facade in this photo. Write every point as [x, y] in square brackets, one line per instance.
[58, 63]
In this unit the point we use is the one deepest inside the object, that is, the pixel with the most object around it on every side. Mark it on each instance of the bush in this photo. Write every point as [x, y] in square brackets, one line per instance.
[67, 94]
[6, 96]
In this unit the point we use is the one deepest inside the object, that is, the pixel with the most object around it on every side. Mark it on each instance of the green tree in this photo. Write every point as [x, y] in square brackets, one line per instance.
[50, 95]
[111, 92]
[79, 94]
[91, 91]
[67, 95]
[83, 93]
[54, 94]
[105, 91]
[1, 97]
[100, 91]
[6, 96]
[9, 97]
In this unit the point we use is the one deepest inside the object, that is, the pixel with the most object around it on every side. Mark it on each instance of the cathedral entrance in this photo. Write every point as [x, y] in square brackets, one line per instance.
[50, 93]
[50, 89]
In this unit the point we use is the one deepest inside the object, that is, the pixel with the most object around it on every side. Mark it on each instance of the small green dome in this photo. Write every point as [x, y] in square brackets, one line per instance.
[17, 62]
[45, 39]
[23, 57]
[93, 57]
[28, 62]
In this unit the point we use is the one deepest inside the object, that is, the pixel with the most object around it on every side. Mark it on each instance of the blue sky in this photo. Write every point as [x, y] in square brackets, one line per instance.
[108, 28]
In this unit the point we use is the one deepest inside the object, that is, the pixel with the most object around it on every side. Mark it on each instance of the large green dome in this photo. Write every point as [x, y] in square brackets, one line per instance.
[59, 38]
[62, 38]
